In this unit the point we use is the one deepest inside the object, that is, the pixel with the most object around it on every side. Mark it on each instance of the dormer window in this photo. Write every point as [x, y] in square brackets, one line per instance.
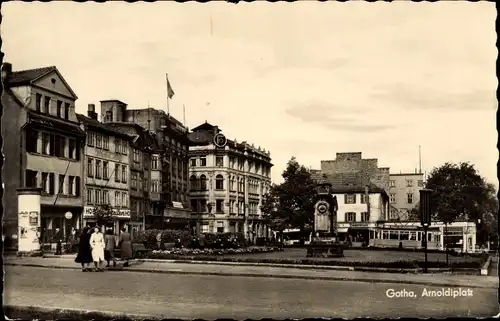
[66, 111]
[109, 116]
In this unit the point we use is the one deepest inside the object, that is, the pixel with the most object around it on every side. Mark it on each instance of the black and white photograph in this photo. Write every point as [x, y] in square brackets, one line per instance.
[249, 160]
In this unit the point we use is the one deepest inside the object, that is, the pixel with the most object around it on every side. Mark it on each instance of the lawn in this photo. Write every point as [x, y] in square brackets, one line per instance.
[357, 256]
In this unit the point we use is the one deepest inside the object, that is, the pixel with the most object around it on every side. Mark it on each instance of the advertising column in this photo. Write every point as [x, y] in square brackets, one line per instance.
[28, 219]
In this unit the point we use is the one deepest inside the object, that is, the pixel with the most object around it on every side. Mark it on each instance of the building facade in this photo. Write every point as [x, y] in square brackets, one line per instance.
[43, 147]
[159, 164]
[106, 170]
[227, 185]
[404, 192]
[354, 163]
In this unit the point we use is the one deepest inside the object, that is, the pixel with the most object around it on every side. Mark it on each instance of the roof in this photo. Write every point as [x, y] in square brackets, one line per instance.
[205, 126]
[113, 100]
[142, 137]
[25, 77]
[348, 183]
[54, 124]
[97, 124]
[406, 174]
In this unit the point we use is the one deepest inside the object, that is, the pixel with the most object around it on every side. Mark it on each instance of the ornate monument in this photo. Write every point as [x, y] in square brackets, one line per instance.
[325, 241]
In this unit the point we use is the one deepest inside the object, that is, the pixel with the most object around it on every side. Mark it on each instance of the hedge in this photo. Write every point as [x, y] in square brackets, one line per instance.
[148, 238]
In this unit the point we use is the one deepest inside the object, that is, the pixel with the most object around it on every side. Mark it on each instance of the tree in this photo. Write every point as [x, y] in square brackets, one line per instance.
[291, 203]
[103, 215]
[459, 192]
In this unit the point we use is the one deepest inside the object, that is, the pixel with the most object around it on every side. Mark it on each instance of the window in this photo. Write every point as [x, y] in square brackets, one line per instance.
[45, 143]
[363, 199]
[124, 174]
[52, 183]
[98, 141]
[90, 138]
[155, 186]
[133, 180]
[66, 111]
[71, 185]
[392, 183]
[90, 167]
[72, 149]
[117, 172]
[77, 186]
[46, 105]
[203, 183]
[393, 198]
[393, 235]
[410, 198]
[420, 183]
[365, 217]
[154, 162]
[38, 102]
[205, 228]
[385, 235]
[404, 235]
[45, 183]
[124, 199]
[193, 183]
[124, 148]
[194, 205]
[219, 161]
[219, 206]
[59, 108]
[350, 199]
[117, 199]
[232, 182]
[90, 192]
[136, 156]
[203, 161]
[219, 182]
[105, 196]
[412, 236]
[105, 142]
[220, 227]
[350, 217]
[98, 199]
[409, 183]
[61, 183]
[231, 162]
[192, 162]
[118, 145]
[60, 145]
[98, 169]
[109, 116]
[105, 170]
[31, 141]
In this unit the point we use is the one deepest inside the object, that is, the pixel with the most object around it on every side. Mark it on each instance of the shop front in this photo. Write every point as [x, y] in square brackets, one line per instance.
[58, 223]
[121, 218]
[177, 217]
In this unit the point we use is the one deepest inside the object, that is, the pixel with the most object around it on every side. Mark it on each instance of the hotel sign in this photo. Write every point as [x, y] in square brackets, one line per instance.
[87, 213]
[359, 224]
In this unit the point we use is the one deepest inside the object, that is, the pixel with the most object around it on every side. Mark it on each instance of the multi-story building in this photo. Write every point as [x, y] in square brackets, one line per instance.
[159, 164]
[346, 163]
[43, 145]
[106, 169]
[404, 192]
[227, 185]
[362, 205]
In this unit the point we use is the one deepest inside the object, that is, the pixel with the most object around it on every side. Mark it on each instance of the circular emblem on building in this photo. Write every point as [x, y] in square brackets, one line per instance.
[322, 207]
[220, 140]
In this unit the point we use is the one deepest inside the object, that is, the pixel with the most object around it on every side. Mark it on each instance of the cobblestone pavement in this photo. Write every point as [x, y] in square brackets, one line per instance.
[210, 297]
[216, 269]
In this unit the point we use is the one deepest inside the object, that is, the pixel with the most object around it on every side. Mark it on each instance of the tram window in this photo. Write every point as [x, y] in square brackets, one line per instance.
[385, 235]
[429, 235]
[404, 235]
[437, 237]
[413, 236]
[419, 236]
[393, 235]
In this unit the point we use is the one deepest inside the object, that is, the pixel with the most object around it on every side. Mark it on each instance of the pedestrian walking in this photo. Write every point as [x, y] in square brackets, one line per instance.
[125, 246]
[109, 251]
[84, 256]
[97, 245]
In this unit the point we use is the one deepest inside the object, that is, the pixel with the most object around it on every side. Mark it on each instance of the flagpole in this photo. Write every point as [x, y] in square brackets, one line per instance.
[168, 107]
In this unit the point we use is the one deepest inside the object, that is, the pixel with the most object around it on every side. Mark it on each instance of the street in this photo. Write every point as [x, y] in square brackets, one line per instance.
[210, 297]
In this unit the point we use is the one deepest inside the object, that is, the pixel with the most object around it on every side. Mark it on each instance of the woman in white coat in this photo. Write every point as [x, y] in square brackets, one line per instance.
[97, 245]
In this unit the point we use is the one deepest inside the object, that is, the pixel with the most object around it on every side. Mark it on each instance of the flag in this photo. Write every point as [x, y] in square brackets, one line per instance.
[170, 90]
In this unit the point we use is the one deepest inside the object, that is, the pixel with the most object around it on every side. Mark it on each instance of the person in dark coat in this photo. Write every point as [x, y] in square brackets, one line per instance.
[109, 250]
[84, 256]
[125, 246]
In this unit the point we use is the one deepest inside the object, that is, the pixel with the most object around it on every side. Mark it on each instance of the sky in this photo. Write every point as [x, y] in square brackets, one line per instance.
[304, 79]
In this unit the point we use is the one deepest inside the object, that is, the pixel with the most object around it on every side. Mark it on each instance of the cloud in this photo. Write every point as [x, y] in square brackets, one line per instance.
[420, 97]
[336, 117]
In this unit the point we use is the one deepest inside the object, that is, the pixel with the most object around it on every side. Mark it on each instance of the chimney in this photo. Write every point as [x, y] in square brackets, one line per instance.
[91, 112]
[6, 69]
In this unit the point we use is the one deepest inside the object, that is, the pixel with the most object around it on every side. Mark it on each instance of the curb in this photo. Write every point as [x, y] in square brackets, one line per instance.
[32, 309]
[264, 275]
